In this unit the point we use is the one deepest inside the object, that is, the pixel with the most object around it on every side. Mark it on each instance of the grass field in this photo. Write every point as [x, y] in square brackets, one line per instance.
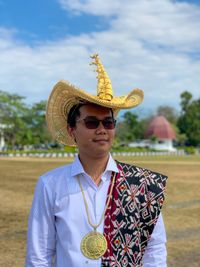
[181, 211]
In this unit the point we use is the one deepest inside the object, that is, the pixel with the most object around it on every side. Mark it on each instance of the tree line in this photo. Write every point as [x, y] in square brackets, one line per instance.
[25, 125]
[22, 124]
[185, 123]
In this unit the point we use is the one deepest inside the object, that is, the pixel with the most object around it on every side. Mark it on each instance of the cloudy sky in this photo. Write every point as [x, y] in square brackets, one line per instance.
[149, 44]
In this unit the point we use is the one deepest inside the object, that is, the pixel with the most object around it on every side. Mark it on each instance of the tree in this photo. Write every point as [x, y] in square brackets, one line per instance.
[169, 113]
[186, 98]
[37, 124]
[12, 113]
[23, 125]
[189, 120]
[129, 128]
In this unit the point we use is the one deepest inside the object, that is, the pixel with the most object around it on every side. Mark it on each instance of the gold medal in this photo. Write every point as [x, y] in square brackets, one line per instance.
[93, 245]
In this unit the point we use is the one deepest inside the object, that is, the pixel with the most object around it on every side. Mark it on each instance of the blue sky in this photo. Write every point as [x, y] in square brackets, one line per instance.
[153, 45]
[44, 20]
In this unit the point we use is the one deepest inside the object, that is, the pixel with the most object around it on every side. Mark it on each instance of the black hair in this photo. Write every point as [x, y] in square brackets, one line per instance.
[74, 113]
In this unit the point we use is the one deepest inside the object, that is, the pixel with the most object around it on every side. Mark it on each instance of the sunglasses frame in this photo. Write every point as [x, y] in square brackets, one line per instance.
[90, 119]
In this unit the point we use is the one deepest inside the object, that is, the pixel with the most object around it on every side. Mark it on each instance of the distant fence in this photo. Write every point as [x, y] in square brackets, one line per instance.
[115, 154]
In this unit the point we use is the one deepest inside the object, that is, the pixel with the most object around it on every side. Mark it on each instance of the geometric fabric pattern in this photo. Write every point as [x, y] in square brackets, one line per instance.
[132, 213]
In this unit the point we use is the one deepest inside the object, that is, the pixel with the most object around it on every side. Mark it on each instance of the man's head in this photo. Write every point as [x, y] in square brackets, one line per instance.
[65, 96]
[93, 129]
[74, 113]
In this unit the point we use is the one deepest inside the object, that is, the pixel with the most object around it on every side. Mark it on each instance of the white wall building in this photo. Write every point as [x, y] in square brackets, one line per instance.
[163, 133]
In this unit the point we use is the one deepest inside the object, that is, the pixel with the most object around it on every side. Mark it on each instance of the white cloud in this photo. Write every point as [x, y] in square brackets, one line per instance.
[97, 7]
[156, 22]
[153, 45]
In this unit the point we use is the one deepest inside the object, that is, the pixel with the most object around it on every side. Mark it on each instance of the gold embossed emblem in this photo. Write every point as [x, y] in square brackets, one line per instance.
[93, 245]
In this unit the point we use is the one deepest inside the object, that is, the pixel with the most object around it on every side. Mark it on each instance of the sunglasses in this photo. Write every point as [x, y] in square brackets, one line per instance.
[93, 123]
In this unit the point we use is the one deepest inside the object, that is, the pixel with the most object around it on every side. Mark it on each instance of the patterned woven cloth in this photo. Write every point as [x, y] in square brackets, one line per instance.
[132, 213]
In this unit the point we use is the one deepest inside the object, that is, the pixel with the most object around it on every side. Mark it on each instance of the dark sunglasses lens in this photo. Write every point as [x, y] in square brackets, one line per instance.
[91, 123]
[109, 123]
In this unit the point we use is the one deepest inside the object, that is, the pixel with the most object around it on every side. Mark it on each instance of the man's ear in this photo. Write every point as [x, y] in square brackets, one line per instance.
[71, 132]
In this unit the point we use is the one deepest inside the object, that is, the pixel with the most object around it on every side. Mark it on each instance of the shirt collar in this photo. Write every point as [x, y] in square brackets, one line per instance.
[77, 167]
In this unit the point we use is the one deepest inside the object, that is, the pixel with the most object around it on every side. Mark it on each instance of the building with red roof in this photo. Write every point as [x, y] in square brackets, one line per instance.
[159, 135]
[162, 131]
[160, 128]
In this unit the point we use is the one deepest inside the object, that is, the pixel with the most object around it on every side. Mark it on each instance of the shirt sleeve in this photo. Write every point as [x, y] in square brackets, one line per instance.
[156, 254]
[41, 229]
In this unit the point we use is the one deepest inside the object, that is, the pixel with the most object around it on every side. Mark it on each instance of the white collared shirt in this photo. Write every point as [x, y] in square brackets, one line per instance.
[58, 220]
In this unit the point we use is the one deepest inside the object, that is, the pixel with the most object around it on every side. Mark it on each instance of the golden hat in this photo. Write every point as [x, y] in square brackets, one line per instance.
[65, 95]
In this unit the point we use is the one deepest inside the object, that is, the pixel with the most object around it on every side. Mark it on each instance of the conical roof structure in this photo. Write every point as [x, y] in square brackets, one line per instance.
[161, 128]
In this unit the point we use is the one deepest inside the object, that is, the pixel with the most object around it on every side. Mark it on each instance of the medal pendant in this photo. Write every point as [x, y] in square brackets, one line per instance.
[93, 245]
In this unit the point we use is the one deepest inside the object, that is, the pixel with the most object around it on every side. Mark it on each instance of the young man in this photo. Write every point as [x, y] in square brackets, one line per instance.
[95, 211]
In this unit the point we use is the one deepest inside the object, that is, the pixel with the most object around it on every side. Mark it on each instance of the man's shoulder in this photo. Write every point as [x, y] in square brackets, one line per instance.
[138, 171]
[56, 174]
[146, 181]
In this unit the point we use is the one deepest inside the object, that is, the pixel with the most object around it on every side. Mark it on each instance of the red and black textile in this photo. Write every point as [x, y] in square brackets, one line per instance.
[136, 202]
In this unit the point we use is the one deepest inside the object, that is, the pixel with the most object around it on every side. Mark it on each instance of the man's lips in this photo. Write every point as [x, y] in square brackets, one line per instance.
[100, 140]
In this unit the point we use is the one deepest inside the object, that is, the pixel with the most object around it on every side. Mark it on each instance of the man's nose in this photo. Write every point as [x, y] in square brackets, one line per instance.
[101, 127]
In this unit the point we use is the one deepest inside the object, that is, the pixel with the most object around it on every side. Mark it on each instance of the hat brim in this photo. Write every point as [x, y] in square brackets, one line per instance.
[65, 95]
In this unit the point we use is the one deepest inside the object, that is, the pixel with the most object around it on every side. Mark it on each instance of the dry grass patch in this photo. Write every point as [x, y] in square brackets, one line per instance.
[181, 211]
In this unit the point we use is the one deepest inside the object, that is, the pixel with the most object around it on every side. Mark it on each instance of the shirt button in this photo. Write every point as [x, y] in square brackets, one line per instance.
[86, 262]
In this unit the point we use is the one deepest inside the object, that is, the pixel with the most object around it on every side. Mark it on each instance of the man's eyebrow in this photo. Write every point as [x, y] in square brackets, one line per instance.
[94, 117]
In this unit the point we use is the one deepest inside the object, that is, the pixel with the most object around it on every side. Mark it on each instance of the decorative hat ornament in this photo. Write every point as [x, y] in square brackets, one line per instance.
[104, 86]
[65, 95]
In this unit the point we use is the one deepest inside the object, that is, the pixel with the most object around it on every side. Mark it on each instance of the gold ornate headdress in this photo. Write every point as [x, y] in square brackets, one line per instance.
[65, 95]
[104, 86]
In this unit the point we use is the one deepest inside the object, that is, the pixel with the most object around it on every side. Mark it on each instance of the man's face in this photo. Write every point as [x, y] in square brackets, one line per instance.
[93, 142]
